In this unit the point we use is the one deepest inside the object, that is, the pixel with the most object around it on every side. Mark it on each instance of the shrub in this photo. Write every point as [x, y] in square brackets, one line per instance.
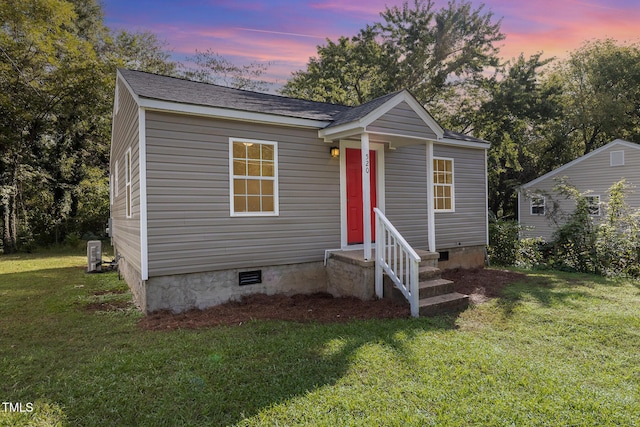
[611, 248]
[503, 241]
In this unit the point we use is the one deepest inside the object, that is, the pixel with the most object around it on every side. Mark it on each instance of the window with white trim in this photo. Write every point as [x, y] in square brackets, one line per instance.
[593, 205]
[127, 178]
[253, 176]
[443, 190]
[538, 204]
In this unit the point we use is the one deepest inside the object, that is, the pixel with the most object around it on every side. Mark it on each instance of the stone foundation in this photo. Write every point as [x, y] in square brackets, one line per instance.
[202, 290]
[465, 257]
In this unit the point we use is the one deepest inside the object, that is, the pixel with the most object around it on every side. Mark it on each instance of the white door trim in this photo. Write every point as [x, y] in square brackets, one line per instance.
[380, 185]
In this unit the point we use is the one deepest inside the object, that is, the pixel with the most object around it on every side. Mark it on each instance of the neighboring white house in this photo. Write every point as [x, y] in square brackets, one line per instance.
[594, 173]
[219, 192]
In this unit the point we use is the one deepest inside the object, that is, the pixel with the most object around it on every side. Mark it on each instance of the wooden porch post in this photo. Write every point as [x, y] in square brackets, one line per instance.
[431, 217]
[366, 193]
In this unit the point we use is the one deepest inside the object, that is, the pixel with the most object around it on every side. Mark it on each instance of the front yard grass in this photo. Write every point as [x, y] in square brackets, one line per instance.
[558, 349]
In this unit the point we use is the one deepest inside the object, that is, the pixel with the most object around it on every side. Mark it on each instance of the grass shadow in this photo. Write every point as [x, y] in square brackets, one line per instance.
[545, 289]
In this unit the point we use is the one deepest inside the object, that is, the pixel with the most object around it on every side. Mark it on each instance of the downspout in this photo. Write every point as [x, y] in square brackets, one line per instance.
[431, 216]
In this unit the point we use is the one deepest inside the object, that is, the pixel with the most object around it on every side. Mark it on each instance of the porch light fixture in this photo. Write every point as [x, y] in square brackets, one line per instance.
[335, 152]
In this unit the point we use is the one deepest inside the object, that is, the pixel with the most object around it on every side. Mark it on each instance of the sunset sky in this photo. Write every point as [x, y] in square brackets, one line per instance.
[286, 32]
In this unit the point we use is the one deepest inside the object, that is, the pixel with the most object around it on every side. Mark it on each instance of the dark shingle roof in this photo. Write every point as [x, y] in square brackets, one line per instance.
[154, 86]
[356, 113]
[462, 137]
[174, 89]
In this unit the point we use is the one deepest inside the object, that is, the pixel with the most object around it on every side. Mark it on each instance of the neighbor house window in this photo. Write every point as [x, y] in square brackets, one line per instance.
[443, 192]
[127, 180]
[253, 177]
[537, 205]
[593, 204]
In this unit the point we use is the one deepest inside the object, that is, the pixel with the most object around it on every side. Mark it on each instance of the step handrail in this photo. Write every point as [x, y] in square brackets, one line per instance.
[398, 259]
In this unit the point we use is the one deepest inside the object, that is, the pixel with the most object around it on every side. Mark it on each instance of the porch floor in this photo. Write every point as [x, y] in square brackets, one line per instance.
[356, 256]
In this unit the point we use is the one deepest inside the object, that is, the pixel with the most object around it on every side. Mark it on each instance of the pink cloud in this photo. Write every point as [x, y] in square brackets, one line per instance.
[557, 28]
[371, 8]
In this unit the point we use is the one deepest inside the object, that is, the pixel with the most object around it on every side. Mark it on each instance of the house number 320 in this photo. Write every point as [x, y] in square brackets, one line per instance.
[366, 162]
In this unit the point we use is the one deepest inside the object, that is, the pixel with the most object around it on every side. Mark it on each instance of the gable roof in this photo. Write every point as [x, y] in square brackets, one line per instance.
[157, 90]
[154, 86]
[614, 143]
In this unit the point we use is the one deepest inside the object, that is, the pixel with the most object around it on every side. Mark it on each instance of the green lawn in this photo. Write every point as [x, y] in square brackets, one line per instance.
[561, 349]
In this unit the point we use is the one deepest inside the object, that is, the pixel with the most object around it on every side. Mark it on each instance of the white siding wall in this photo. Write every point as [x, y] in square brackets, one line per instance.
[189, 225]
[593, 173]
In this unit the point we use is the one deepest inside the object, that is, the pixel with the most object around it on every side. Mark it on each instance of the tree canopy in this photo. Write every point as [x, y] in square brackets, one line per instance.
[429, 52]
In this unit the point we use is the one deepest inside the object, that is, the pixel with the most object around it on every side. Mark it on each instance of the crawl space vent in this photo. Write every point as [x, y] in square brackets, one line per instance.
[617, 158]
[444, 256]
[250, 277]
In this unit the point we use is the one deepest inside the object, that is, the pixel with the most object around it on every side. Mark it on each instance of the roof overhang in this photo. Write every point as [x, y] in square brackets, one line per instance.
[225, 113]
[160, 105]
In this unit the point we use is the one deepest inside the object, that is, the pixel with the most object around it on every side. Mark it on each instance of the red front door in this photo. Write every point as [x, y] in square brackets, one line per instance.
[355, 225]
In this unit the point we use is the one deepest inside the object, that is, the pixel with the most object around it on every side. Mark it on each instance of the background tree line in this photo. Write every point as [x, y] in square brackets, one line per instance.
[57, 77]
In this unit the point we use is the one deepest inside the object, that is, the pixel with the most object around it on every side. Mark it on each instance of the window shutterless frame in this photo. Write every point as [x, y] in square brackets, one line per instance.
[443, 185]
[538, 205]
[127, 176]
[593, 204]
[253, 177]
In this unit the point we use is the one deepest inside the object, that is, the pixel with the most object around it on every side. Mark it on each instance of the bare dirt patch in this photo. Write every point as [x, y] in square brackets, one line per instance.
[482, 284]
[109, 292]
[479, 284]
[107, 306]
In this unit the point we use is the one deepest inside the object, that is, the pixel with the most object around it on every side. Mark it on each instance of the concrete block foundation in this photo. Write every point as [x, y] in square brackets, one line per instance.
[463, 257]
[184, 292]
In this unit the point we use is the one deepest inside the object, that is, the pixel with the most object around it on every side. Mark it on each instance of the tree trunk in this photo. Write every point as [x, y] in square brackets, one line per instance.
[10, 232]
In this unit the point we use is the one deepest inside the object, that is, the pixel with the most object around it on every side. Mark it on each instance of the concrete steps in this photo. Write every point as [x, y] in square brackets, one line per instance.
[437, 295]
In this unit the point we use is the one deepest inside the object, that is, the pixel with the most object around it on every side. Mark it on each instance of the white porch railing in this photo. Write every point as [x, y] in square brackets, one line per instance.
[398, 259]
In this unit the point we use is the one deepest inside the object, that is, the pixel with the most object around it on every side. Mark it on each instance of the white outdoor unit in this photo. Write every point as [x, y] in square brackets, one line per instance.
[94, 256]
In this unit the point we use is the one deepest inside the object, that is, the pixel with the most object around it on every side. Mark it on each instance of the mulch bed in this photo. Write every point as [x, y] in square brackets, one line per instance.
[479, 284]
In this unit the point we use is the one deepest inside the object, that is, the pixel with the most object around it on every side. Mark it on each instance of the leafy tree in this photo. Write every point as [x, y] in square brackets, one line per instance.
[213, 68]
[513, 117]
[57, 72]
[139, 51]
[350, 71]
[43, 66]
[601, 86]
[434, 54]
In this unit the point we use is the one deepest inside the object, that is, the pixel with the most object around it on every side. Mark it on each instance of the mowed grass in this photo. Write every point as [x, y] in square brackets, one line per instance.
[557, 350]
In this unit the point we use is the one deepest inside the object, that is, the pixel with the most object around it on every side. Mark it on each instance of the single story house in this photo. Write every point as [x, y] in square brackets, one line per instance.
[592, 174]
[219, 192]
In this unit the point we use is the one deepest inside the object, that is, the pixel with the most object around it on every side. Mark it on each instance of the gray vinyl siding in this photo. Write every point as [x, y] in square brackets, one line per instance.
[466, 226]
[126, 231]
[402, 120]
[406, 193]
[592, 174]
[189, 225]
